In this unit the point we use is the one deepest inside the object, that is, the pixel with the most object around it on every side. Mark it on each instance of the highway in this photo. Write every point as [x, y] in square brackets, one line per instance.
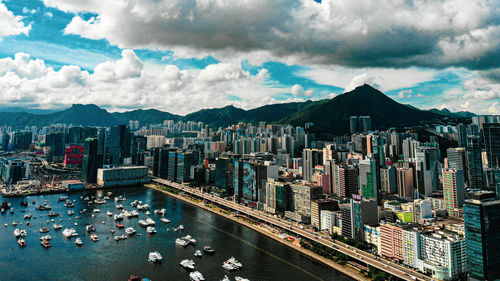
[362, 256]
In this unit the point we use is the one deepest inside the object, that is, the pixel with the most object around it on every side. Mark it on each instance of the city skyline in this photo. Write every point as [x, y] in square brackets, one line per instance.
[165, 55]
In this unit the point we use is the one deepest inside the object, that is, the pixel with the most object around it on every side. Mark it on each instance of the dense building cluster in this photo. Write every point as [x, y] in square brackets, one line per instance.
[423, 197]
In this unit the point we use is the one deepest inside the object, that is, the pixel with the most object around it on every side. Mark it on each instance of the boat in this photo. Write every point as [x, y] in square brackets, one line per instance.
[78, 242]
[94, 237]
[69, 232]
[120, 198]
[27, 216]
[21, 242]
[165, 220]
[151, 230]
[238, 278]
[130, 231]
[190, 239]
[118, 217]
[119, 237]
[208, 250]
[109, 213]
[44, 230]
[96, 211]
[135, 203]
[160, 211]
[149, 221]
[196, 276]
[229, 266]
[198, 253]
[100, 201]
[155, 257]
[109, 193]
[225, 278]
[235, 262]
[130, 214]
[62, 198]
[71, 212]
[120, 226]
[19, 233]
[45, 206]
[181, 227]
[2, 210]
[134, 277]
[53, 214]
[46, 243]
[187, 264]
[24, 203]
[148, 213]
[181, 242]
[57, 226]
[11, 210]
[14, 223]
[90, 228]
[46, 237]
[119, 206]
[69, 204]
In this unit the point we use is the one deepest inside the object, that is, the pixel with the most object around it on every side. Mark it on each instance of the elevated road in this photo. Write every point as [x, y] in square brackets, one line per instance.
[359, 255]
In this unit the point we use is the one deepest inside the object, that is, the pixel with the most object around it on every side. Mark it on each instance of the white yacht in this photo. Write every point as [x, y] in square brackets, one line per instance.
[17, 232]
[46, 237]
[130, 231]
[198, 253]
[160, 211]
[57, 226]
[118, 217]
[78, 242]
[71, 212]
[187, 264]
[225, 278]
[148, 213]
[235, 262]
[190, 239]
[181, 227]
[151, 230]
[165, 220]
[238, 278]
[182, 242]
[27, 216]
[196, 276]
[96, 211]
[119, 206]
[155, 257]
[109, 213]
[69, 232]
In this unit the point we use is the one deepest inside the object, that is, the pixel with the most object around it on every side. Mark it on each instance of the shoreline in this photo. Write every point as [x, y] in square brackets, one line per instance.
[346, 270]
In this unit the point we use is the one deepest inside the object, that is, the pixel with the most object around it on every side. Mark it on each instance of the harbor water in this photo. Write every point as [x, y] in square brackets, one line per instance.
[107, 259]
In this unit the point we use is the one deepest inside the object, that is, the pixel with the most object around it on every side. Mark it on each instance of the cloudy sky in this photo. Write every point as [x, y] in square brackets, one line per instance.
[184, 55]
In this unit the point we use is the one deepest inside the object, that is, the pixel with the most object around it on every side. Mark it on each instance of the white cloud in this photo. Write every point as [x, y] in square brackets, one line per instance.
[360, 80]
[49, 14]
[344, 32]
[129, 83]
[296, 89]
[11, 24]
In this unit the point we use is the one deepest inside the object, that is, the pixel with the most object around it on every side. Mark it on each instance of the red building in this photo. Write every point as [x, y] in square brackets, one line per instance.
[73, 155]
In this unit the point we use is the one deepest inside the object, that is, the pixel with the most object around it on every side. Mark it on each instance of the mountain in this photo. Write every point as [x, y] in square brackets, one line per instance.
[330, 116]
[446, 112]
[333, 115]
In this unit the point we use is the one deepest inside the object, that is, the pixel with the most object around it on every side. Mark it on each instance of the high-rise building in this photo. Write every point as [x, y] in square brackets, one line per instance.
[364, 212]
[224, 175]
[457, 159]
[353, 124]
[482, 233]
[453, 189]
[348, 181]
[278, 196]
[404, 180]
[474, 163]
[462, 135]
[391, 241]
[410, 148]
[388, 181]
[319, 205]
[427, 176]
[311, 158]
[368, 175]
[491, 132]
[91, 161]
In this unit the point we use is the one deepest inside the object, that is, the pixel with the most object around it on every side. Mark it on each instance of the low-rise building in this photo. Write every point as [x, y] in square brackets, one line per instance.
[122, 176]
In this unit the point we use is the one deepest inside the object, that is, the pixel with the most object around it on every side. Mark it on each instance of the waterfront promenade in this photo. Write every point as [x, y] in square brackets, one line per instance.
[361, 256]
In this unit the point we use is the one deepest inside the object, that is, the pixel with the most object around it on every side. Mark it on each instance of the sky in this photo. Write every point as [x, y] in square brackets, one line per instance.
[181, 56]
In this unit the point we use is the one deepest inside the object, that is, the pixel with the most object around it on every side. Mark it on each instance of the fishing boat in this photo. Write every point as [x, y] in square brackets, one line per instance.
[187, 264]
[208, 250]
[94, 237]
[21, 242]
[155, 257]
[45, 243]
[78, 242]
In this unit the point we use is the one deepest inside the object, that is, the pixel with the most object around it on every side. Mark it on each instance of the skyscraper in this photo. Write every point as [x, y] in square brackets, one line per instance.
[457, 160]
[491, 132]
[426, 163]
[474, 163]
[368, 178]
[348, 181]
[453, 189]
[311, 158]
[404, 179]
[91, 161]
[482, 236]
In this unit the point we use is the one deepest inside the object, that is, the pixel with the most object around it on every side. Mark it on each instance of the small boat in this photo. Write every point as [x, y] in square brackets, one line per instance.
[109, 193]
[208, 250]
[120, 198]
[118, 217]
[165, 220]
[235, 262]
[225, 278]
[190, 239]
[46, 243]
[14, 223]
[120, 226]
[130, 231]
[148, 213]
[44, 230]
[90, 228]
[196, 276]
[151, 230]
[229, 266]
[53, 214]
[45, 206]
[181, 227]
[78, 242]
[238, 278]
[62, 198]
[187, 264]
[119, 206]
[119, 237]
[181, 242]
[134, 277]
[24, 203]
[27, 216]
[71, 212]
[21, 242]
[11, 210]
[96, 211]
[19, 233]
[94, 237]
[198, 253]
[160, 211]
[109, 213]
[46, 237]
[57, 226]
[69, 232]
[155, 257]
